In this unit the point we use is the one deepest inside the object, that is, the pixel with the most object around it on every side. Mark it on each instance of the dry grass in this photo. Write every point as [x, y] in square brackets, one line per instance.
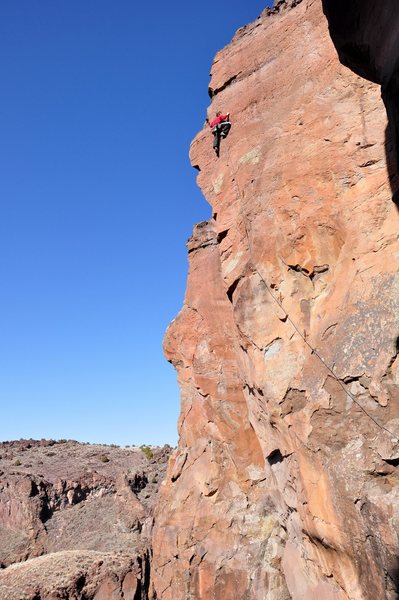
[65, 572]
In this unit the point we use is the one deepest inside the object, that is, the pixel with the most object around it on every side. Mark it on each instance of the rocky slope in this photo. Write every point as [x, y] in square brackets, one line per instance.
[76, 520]
[285, 481]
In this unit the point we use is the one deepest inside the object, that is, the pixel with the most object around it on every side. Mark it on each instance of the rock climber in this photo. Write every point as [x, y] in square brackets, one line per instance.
[220, 127]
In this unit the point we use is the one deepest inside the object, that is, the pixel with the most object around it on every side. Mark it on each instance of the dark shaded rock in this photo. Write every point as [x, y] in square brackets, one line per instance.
[366, 36]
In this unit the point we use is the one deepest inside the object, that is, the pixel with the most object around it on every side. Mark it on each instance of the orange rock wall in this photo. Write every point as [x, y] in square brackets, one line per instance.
[282, 486]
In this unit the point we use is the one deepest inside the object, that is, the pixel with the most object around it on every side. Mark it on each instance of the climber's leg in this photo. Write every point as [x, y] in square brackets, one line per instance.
[225, 128]
[216, 140]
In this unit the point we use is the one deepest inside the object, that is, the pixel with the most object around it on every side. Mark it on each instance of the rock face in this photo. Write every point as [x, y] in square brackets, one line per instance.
[285, 481]
[76, 520]
[366, 35]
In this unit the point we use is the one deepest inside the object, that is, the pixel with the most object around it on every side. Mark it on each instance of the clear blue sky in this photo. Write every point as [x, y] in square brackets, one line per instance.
[100, 100]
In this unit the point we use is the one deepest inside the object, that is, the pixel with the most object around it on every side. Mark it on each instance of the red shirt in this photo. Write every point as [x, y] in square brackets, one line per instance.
[219, 119]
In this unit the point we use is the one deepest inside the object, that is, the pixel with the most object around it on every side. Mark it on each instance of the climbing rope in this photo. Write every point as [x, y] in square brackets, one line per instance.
[240, 198]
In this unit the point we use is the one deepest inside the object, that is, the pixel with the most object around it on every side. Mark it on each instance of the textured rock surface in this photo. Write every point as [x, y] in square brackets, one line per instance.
[75, 575]
[366, 35]
[88, 508]
[282, 486]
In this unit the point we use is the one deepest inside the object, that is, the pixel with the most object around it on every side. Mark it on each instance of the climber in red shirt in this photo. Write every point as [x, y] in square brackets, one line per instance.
[220, 127]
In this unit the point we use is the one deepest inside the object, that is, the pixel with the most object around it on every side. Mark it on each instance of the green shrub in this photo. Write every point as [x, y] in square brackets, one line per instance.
[17, 463]
[104, 458]
[146, 450]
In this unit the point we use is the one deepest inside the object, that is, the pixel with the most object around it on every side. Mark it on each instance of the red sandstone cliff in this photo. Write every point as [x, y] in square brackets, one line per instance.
[282, 486]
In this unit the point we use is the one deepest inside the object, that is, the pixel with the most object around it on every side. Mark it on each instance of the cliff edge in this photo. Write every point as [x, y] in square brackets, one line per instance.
[285, 481]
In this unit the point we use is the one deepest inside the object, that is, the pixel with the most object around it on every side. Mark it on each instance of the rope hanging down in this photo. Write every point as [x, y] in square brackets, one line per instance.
[287, 316]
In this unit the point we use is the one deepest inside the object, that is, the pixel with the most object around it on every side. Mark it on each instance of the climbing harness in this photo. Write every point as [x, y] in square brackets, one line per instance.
[287, 316]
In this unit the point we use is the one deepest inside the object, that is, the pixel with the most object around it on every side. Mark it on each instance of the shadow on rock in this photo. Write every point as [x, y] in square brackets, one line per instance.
[390, 96]
[366, 37]
[393, 577]
[392, 166]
